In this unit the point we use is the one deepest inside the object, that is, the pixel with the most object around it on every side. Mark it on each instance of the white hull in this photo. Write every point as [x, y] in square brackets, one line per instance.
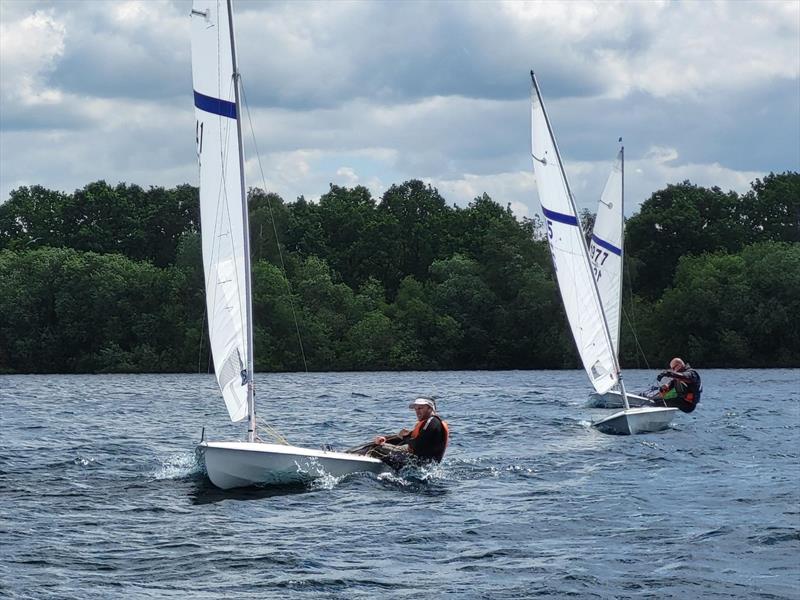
[241, 464]
[613, 399]
[636, 420]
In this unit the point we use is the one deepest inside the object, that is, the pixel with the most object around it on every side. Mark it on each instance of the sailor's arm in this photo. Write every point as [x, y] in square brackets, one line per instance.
[397, 439]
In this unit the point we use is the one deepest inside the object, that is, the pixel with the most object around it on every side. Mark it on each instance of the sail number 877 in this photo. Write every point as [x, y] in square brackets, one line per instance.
[598, 257]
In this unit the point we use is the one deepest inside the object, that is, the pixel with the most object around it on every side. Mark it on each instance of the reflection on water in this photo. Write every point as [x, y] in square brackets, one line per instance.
[203, 492]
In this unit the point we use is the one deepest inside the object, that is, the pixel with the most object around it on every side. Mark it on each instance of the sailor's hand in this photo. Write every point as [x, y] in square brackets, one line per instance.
[662, 375]
[404, 432]
[380, 440]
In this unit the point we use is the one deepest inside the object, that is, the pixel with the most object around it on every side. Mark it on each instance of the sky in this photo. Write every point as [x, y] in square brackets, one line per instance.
[376, 93]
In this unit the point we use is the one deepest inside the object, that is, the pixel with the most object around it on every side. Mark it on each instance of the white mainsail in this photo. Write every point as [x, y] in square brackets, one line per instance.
[226, 259]
[605, 250]
[570, 257]
[223, 208]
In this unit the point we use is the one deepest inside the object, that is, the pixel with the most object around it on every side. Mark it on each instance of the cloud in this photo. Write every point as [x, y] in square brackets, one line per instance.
[125, 49]
[29, 52]
[584, 49]
[377, 93]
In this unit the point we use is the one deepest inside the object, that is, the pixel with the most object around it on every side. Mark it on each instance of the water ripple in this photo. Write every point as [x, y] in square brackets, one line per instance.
[102, 496]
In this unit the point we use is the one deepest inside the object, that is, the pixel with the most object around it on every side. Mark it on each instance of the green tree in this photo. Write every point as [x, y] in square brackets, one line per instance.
[460, 292]
[418, 218]
[32, 217]
[268, 216]
[734, 309]
[679, 220]
[68, 311]
[430, 339]
[771, 210]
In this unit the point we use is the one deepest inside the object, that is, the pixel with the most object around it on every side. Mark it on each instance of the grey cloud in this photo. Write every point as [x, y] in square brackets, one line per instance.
[103, 59]
[408, 51]
[60, 116]
[754, 130]
[444, 86]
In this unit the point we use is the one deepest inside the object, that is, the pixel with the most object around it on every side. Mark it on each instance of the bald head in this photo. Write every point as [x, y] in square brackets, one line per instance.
[677, 364]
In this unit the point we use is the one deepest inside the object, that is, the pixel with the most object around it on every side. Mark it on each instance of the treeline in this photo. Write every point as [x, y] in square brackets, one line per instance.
[109, 279]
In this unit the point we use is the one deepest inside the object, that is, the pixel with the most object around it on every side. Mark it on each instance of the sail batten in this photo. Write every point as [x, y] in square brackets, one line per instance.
[222, 203]
[570, 254]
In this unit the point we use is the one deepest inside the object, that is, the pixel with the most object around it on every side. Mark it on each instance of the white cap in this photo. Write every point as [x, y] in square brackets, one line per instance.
[423, 402]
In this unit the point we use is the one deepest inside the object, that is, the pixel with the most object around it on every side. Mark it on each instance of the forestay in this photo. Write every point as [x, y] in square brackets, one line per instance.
[605, 250]
[221, 201]
[569, 252]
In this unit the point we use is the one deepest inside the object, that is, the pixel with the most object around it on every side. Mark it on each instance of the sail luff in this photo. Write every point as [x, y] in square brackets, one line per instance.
[570, 253]
[251, 408]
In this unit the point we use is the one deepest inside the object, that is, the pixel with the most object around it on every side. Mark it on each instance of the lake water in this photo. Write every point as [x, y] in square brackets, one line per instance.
[101, 496]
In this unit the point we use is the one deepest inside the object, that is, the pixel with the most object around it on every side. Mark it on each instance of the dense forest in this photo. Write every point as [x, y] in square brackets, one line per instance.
[109, 279]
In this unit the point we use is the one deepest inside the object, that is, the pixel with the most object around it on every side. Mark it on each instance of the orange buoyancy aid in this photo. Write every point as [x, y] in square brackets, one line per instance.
[421, 425]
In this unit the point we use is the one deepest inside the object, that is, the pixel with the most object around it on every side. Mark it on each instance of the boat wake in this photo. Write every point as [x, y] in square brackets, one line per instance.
[324, 481]
[182, 465]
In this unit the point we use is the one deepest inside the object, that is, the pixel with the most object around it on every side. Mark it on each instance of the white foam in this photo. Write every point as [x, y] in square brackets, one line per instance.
[178, 466]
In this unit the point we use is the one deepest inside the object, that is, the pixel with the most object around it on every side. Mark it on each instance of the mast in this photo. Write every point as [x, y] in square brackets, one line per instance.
[606, 331]
[251, 404]
[622, 270]
[621, 239]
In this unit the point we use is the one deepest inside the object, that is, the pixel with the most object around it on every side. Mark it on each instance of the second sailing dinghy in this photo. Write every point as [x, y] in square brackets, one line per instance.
[576, 280]
[226, 261]
[606, 253]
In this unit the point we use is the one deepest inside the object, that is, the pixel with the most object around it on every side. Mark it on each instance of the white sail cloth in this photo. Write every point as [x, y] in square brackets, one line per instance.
[221, 201]
[605, 250]
[569, 252]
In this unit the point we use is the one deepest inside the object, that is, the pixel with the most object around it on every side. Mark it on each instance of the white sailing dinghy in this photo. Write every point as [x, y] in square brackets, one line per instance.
[576, 280]
[226, 261]
[606, 253]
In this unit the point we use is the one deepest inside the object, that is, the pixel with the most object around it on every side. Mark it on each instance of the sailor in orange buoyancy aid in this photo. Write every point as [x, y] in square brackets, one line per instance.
[427, 441]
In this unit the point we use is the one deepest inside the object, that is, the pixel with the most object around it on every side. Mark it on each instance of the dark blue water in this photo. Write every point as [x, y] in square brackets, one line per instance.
[100, 495]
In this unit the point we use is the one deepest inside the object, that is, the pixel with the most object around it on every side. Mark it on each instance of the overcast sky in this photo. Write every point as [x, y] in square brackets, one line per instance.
[376, 93]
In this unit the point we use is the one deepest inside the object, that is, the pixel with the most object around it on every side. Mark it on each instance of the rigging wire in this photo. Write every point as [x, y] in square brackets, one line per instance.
[630, 318]
[205, 308]
[274, 227]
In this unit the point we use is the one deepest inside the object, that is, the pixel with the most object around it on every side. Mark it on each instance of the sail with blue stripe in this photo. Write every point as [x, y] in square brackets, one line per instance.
[570, 254]
[605, 250]
[223, 207]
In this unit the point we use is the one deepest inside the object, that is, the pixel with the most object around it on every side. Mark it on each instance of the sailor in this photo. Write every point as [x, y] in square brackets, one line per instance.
[427, 441]
[684, 388]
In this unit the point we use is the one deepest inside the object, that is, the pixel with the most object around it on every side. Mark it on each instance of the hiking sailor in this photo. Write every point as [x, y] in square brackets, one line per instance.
[684, 389]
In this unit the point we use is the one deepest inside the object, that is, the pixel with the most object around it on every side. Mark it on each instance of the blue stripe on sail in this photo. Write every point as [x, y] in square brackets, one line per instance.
[215, 106]
[561, 218]
[604, 244]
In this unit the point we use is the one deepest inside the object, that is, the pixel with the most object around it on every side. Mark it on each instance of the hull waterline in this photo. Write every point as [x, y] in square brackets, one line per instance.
[242, 464]
[636, 420]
